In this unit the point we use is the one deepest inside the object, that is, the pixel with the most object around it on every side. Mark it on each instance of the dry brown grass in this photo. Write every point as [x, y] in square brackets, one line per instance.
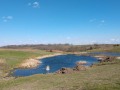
[2, 61]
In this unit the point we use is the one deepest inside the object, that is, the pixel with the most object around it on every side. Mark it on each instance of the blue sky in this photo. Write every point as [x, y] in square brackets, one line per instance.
[59, 21]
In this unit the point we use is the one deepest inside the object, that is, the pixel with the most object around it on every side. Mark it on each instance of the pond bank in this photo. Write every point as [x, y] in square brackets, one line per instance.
[34, 62]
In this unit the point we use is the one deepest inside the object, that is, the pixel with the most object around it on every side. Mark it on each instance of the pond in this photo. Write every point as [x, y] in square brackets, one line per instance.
[55, 63]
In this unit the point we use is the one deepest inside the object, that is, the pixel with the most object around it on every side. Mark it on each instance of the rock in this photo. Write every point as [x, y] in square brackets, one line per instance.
[71, 70]
[106, 59]
[65, 71]
[118, 58]
[81, 62]
[79, 68]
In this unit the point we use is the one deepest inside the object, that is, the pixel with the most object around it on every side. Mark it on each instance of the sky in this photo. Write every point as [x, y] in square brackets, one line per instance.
[59, 21]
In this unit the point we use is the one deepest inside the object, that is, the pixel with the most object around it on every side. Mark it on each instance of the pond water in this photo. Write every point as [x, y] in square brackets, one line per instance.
[55, 63]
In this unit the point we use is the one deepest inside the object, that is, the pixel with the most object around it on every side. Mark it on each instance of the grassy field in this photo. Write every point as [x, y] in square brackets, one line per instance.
[11, 58]
[104, 76]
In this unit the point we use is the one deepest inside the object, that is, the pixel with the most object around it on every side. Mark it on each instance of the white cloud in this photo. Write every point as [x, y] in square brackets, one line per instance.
[97, 21]
[102, 21]
[29, 4]
[68, 38]
[4, 20]
[3, 17]
[7, 18]
[92, 20]
[114, 40]
[93, 42]
[34, 4]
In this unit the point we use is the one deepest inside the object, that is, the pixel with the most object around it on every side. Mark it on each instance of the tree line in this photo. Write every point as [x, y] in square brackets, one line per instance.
[62, 47]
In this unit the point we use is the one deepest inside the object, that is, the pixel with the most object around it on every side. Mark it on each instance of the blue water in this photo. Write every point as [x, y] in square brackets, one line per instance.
[55, 63]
